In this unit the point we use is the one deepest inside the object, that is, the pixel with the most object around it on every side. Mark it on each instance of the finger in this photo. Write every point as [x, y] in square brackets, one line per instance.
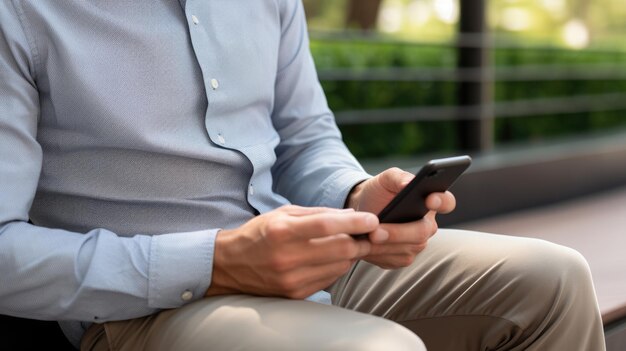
[320, 251]
[392, 261]
[441, 202]
[314, 287]
[295, 210]
[305, 281]
[330, 223]
[334, 248]
[415, 232]
[394, 179]
[379, 250]
[380, 235]
[327, 283]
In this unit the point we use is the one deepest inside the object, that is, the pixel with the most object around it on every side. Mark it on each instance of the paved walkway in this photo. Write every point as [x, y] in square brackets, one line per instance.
[594, 225]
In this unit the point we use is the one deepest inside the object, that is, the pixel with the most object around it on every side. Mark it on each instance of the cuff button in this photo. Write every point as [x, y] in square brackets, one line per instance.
[186, 295]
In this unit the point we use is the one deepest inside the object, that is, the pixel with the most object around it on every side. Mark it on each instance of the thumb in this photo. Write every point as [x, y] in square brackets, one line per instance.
[394, 179]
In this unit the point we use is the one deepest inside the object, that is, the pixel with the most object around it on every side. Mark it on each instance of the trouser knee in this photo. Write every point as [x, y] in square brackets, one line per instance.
[553, 268]
[551, 275]
[386, 335]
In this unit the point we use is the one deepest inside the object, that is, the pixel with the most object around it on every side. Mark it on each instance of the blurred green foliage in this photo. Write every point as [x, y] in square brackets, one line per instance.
[536, 21]
[412, 138]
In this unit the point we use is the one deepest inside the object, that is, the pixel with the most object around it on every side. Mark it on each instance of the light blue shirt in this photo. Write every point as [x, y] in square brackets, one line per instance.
[132, 131]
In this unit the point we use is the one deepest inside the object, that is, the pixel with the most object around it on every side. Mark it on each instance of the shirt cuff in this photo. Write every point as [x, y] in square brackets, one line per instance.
[181, 266]
[338, 186]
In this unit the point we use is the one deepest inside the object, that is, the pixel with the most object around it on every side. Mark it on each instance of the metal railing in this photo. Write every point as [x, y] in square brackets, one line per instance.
[474, 111]
[505, 109]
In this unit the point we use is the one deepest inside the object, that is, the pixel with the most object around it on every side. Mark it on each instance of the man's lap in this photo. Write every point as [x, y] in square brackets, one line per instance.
[243, 322]
[488, 288]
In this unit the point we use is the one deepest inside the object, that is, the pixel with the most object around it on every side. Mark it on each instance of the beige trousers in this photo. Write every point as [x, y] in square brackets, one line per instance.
[466, 291]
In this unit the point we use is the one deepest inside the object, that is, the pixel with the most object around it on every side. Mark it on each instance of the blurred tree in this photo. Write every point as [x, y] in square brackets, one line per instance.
[312, 9]
[362, 14]
[572, 23]
[325, 14]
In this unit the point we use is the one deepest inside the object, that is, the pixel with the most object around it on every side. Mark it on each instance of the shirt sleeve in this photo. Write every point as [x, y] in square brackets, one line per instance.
[314, 167]
[53, 274]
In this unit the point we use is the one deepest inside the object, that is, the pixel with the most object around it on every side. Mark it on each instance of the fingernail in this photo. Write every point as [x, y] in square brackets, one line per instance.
[437, 202]
[380, 235]
[370, 220]
[349, 209]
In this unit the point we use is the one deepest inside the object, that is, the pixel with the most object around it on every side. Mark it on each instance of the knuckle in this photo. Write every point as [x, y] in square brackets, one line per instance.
[429, 227]
[279, 263]
[433, 226]
[361, 222]
[393, 170]
[288, 207]
[288, 284]
[406, 260]
[277, 229]
[347, 249]
[323, 227]
[416, 248]
[297, 294]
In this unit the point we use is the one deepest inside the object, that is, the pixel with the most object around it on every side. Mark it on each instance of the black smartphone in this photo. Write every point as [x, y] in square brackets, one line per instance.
[409, 205]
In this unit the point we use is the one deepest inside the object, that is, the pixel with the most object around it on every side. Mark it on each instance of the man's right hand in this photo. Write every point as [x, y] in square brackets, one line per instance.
[291, 252]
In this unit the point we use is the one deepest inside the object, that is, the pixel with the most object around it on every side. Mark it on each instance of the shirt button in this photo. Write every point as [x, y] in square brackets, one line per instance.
[194, 19]
[251, 190]
[215, 84]
[220, 139]
[186, 295]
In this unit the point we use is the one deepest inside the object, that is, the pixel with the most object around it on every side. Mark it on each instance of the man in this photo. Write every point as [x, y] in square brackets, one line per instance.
[186, 184]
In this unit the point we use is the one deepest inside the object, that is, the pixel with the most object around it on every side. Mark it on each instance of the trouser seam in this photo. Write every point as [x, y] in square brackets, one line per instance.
[107, 334]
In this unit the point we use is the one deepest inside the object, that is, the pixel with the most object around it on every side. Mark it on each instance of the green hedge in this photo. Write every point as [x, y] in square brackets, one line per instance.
[411, 138]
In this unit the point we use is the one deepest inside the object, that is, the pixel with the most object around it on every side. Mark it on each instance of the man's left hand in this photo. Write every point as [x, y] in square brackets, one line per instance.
[396, 245]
